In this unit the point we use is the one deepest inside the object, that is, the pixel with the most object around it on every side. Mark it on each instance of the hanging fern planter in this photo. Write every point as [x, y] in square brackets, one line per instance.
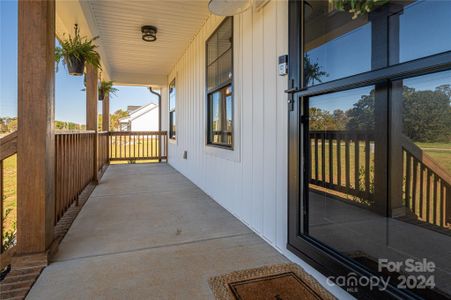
[101, 95]
[106, 87]
[76, 51]
[75, 66]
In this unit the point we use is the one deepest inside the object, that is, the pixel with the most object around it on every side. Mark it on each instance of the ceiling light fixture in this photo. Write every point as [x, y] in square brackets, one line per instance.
[149, 33]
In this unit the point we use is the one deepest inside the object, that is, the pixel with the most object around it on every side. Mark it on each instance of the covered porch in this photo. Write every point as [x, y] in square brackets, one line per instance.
[149, 230]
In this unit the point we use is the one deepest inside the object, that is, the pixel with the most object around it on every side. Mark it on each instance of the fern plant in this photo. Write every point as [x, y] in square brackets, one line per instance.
[106, 87]
[357, 7]
[75, 51]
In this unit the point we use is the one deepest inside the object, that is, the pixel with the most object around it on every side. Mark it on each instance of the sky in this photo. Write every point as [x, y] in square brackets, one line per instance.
[344, 56]
[70, 100]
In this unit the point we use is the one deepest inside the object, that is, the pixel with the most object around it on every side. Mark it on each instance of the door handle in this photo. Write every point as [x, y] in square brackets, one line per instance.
[292, 90]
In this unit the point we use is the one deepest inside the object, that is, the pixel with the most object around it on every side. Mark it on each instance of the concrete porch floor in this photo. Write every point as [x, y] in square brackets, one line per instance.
[147, 232]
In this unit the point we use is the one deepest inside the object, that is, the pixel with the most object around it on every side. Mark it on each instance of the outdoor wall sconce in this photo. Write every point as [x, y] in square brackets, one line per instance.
[149, 33]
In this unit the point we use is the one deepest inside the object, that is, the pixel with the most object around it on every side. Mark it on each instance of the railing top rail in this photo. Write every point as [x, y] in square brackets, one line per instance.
[60, 132]
[138, 132]
[8, 137]
[425, 159]
[8, 145]
[362, 132]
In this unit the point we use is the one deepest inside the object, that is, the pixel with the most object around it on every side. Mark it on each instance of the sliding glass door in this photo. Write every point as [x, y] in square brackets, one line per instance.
[372, 146]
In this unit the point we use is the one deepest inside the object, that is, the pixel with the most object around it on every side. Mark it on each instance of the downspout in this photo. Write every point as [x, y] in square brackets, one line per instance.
[159, 119]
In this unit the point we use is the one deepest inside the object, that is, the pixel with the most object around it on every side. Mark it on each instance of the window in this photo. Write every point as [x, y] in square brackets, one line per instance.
[219, 85]
[172, 120]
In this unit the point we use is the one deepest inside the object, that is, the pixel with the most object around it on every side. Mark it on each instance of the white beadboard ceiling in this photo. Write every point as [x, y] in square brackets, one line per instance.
[127, 57]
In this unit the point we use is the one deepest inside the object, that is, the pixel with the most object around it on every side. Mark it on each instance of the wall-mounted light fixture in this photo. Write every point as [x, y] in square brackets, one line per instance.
[149, 33]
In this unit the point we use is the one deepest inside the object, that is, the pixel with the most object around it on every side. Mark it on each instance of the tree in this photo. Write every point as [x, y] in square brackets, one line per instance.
[114, 119]
[12, 125]
[341, 119]
[312, 71]
[427, 115]
[324, 120]
[361, 116]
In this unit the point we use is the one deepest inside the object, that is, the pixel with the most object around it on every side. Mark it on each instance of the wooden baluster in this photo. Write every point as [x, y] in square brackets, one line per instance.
[414, 185]
[356, 164]
[447, 198]
[311, 157]
[407, 181]
[428, 195]
[1, 206]
[435, 200]
[152, 150]
[323, 158]
[55, 210]
[331, 161]
[443, 204]
[347, 164]
[338, 160]
[421, 199]
[316, 158]
[367, 167]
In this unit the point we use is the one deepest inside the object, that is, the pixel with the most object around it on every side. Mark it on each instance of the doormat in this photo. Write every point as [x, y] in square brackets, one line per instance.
[276, 282]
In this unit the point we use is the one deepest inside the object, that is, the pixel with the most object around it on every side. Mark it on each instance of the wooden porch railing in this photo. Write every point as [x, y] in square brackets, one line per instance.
[342, 164]
[74, 165]
[102, 150]
[8, 148]
[426, 186]
[138, 145]
[343, 161]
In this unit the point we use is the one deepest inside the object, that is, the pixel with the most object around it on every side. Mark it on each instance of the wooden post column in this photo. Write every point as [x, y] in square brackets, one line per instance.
[106, 113]
[91, 110]
[36, 147]
[91, 97]
[106, 121]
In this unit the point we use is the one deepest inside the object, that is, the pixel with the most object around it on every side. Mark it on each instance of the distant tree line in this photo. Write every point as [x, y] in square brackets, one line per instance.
[426, 115]
[9, 124]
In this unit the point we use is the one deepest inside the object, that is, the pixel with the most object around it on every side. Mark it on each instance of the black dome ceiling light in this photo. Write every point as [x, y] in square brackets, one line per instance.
[149, 33]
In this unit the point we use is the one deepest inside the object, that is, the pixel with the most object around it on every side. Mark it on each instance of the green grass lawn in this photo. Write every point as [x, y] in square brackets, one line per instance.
[140, 148]
[439, 146]
[9, 195]
[439, 152]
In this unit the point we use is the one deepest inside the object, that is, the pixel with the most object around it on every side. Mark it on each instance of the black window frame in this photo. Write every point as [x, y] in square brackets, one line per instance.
[224, 85]
[172, 112]
[325, 259]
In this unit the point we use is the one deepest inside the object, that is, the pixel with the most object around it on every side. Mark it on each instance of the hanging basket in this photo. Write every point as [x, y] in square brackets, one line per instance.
[75, 66]
[101, 95]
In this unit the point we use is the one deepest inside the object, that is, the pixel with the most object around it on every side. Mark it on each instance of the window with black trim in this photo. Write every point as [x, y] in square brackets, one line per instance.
[219, 47]
[172, 121]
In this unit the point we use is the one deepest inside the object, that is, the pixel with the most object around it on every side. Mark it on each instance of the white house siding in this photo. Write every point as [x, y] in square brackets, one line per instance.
[146, 122]
[251, 181]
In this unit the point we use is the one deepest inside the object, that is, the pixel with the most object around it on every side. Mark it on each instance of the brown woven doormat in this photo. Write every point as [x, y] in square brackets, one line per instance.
[276, 282]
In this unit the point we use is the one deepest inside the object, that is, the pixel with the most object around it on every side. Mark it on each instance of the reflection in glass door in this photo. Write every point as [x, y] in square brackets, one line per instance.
[366, 211]
[369, 142]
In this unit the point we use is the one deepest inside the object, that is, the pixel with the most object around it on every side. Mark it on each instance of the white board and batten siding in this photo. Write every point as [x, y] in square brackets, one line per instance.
[250, 181]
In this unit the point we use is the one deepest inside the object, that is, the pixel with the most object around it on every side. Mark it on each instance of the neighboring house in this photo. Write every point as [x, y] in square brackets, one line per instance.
[140, 118]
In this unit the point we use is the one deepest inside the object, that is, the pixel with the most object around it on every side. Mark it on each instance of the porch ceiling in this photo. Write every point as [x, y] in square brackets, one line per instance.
[128, 58]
